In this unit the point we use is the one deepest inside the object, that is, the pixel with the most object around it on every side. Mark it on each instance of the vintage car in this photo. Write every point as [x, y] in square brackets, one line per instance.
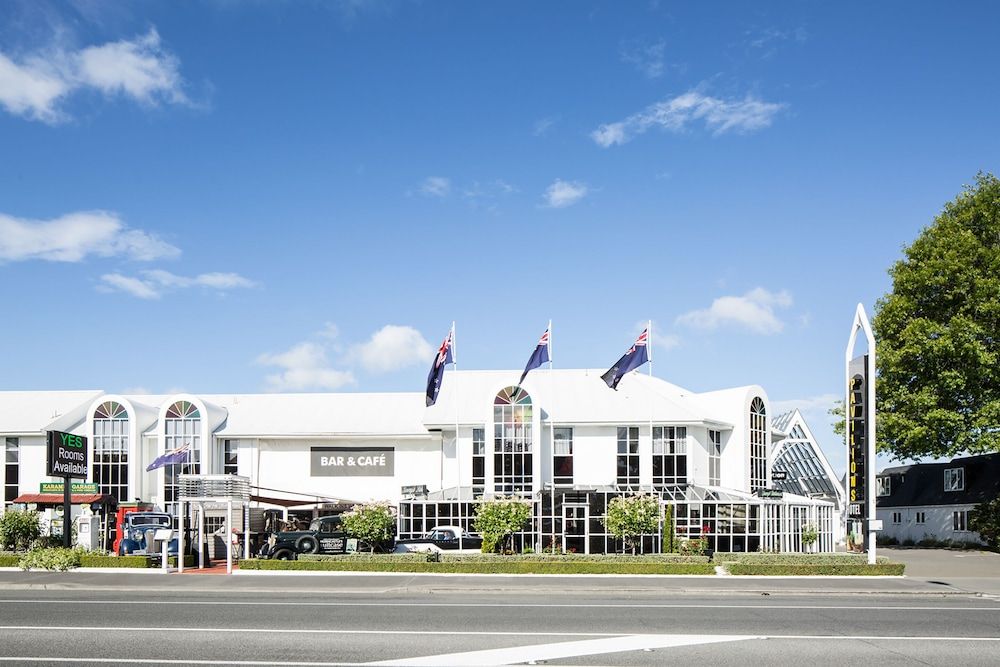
[137, 531]
[443, 538]
[324, 536]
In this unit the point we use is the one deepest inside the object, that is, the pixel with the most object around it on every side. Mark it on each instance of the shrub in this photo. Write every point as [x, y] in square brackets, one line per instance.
[808, 570]
[498, 519]
[372, 523]
[693, 545]
[809, 535]
[59, 559]
[630, 517]
[18, 528]
[985, 520]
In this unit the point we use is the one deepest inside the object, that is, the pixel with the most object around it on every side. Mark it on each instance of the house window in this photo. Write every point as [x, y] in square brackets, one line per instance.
[182, 428]
[111, 447]
[921, 517]
[960, 521]
[628, 456]
[897, 517]
[478, 460]
[954, 479]
[562, 455]
[758, 445]
[714, 457]
[883, 486]
[512, 442]
[230, 457]
[669, 455]
[12, 469]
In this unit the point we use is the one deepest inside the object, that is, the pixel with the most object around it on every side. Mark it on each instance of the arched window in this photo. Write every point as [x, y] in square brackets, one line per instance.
[512, 441]
[758, 445]
[111, 447]
[182, 427]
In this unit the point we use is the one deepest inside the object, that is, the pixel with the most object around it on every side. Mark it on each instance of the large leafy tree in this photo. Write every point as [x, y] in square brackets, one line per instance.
[937, 334]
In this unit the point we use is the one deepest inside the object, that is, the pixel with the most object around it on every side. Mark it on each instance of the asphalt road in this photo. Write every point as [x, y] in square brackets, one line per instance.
[80, 621]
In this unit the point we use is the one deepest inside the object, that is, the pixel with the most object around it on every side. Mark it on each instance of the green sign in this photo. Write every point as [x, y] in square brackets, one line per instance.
[769, 493]
[75, 487]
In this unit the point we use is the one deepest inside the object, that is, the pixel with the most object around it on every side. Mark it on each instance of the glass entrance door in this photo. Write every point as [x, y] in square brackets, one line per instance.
[575, 529]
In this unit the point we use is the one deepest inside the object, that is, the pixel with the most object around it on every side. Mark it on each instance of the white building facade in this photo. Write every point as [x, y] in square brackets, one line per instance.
[563, 441]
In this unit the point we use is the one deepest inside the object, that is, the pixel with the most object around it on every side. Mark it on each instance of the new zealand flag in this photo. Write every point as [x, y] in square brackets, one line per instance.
[635, 357]
[442, 359]
[538, 357]
[179, 455]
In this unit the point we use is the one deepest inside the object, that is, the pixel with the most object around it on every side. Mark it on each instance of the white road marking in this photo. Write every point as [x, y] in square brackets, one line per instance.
[211, 603]
[559, 650]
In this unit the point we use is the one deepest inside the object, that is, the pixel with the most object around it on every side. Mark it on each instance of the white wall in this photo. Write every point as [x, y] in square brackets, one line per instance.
[286, 465]
[938, 524]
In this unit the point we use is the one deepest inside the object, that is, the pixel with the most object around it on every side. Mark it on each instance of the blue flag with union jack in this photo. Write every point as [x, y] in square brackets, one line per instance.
[179, 455]
[538, 357]
[442, 359]
[631, 360]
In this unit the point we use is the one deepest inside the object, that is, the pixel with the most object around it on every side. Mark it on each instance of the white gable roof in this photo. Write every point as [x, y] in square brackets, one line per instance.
[35, 411]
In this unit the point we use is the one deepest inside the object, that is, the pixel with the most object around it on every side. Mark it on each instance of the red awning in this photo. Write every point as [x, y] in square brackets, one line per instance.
[57, 498]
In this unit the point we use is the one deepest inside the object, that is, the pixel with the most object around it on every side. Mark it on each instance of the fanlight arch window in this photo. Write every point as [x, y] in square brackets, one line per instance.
[182, 428]
[758, 444]
[513, 441]
[111, 443]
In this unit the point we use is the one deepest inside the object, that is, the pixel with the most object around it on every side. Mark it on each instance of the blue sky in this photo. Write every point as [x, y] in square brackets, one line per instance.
[302, 196]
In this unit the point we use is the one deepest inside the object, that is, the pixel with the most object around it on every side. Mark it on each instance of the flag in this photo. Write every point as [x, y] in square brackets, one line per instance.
[178, 455]
[442, 359]
[631, 360]
[538, 357]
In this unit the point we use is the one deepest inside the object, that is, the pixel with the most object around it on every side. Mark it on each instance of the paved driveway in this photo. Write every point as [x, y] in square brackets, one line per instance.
[945, 562]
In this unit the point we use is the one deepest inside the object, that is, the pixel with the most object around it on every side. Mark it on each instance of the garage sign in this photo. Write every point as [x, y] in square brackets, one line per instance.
[352, 461]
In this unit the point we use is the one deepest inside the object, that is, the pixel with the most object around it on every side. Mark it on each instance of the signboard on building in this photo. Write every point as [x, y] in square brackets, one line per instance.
[67, 455]
[352, 461]
[769, 493]
[75, 487]
[779, 475]
[857, 443]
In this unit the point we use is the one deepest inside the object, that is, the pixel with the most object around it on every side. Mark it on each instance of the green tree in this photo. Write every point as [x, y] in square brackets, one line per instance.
[630, 517]
[18, 529]
[985, 520]
[839, 422]
[498, 519]
[937, 334]
[373, 523]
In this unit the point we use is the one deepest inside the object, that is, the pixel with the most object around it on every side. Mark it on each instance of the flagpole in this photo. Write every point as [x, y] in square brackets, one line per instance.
[649, 355]
[552, 451]
[458, 459]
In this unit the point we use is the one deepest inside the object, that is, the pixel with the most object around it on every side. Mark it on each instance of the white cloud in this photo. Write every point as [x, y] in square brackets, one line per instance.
[154, 283]
[436, 186]
[647, 58]
[564, 193]
[542, 125]
[139, 69]
[304, 367]
[754, 311]
[677, 113]
[391, 348]
[73, 237]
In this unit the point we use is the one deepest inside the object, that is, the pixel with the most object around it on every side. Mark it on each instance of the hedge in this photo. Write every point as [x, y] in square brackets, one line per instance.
[9, 559]
[104, 560]
[758, 558]
[832, 569]
[499, 566]
[421, 557]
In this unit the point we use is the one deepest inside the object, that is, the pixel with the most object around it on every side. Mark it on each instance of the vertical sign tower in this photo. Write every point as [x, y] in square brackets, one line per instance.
[859, 408]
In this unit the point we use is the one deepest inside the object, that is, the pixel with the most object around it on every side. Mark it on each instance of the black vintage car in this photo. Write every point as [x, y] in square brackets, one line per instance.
[324, 536]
